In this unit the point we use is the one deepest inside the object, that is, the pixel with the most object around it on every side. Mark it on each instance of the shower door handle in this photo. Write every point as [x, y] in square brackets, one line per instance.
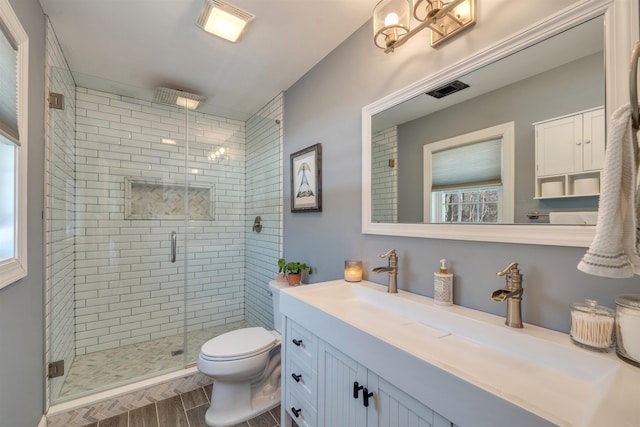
[174, 239]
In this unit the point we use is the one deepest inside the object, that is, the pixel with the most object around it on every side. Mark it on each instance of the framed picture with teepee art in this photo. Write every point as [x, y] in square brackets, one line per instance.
[306, 180]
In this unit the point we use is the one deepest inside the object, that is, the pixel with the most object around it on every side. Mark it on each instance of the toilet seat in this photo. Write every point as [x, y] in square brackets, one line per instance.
[238, 344]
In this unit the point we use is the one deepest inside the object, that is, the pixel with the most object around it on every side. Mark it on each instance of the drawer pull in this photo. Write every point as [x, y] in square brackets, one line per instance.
[297, 342]
[296, 412]
[296, 377]
[356, 388]
[365, 397]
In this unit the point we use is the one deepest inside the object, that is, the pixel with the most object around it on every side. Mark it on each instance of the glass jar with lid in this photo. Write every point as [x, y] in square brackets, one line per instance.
[592, 325]
[628, 328]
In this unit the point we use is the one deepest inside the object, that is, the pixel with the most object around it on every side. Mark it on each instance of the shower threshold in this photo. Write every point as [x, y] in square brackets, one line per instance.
[102, 370]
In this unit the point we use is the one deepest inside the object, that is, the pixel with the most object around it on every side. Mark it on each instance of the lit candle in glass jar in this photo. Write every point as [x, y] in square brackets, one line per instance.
[353, 271]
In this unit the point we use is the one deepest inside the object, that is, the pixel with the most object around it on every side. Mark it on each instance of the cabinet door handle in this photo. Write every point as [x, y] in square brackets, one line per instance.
[296, 377]
[296, 412]
[356, 387]
[365, 397]
[297, 342]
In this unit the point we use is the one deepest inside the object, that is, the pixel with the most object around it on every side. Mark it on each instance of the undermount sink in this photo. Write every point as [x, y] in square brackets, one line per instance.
[535, 368]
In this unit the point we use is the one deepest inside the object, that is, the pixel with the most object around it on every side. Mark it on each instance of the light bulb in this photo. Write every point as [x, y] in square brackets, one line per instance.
[391, 19]
[463, 11]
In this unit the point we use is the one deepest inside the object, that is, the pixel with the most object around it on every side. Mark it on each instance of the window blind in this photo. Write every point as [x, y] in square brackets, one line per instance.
[8, 87]
[473, 165]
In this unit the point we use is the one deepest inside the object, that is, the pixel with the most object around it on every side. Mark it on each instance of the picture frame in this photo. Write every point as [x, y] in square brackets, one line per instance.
[306, 179]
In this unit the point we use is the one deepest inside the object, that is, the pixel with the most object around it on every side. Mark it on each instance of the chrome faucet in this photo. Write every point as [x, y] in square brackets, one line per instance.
[392, 268]
[512, 293]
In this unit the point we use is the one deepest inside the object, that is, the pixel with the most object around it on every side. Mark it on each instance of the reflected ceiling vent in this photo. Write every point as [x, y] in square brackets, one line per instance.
[181, 98]
[448, 89]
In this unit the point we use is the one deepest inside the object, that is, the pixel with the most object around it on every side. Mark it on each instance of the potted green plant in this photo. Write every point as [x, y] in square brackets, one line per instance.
[293, 270]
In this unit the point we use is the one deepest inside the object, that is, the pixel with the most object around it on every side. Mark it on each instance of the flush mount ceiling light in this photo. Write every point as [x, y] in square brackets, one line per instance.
[224, 20]
[391, 20]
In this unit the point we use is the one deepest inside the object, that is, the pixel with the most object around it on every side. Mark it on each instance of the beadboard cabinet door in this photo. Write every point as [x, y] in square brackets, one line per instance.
[344, 386]
[396, 408]
[337, 374]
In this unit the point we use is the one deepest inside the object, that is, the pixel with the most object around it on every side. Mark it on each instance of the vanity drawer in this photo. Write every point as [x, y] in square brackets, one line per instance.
[301, 379]
[300, 410]
[302, 343]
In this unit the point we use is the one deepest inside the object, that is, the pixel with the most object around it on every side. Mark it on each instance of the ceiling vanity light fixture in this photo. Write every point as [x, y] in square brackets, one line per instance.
[224, 20]
[391, 20]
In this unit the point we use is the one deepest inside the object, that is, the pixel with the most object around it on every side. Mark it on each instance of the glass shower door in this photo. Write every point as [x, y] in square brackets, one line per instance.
[116, 194]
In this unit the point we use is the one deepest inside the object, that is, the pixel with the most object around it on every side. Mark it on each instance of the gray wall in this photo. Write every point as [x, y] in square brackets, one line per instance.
[21, 312]
[570, 88]
[325, 106]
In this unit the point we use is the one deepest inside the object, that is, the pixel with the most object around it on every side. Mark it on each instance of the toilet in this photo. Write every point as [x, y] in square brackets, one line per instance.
[245, 367]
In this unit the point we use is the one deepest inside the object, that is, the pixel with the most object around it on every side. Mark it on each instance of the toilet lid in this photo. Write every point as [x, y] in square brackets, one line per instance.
[238, 343]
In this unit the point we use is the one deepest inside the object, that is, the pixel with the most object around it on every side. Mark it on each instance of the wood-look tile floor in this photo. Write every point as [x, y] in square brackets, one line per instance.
[185, 410]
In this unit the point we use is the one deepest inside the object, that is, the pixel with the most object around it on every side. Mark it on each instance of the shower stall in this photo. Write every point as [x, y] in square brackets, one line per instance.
[149, 243]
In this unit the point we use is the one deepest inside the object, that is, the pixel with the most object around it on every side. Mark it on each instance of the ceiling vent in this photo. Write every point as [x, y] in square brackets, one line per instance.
[448, 89]
[224, 20]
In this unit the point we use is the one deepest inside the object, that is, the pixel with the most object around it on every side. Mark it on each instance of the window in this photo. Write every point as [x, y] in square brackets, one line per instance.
[13, 146]
[469, 178]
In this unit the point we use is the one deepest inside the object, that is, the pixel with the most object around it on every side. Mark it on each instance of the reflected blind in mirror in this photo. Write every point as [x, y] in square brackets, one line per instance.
[472, 165]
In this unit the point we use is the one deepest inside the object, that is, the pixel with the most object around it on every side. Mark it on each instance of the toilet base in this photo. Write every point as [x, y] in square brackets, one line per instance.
[231, 403]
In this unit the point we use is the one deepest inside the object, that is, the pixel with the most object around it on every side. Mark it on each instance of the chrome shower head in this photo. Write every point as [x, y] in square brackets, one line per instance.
[181, 98]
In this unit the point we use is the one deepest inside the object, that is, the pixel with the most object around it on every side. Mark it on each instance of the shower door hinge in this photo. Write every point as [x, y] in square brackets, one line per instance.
[56, 369]
[56, 100]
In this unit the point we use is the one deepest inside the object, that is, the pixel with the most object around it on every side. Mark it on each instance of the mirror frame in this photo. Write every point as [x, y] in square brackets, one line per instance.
[620, 30]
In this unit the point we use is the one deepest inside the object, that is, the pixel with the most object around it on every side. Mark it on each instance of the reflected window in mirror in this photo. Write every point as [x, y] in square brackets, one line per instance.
[469, 205]
[469, 178]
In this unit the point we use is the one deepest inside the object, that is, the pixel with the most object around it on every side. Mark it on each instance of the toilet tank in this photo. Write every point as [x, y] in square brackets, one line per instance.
[275, 288]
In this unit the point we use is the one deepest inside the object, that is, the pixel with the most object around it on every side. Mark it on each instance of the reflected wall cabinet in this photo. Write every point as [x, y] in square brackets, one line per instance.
[570, 154]
[326, 388]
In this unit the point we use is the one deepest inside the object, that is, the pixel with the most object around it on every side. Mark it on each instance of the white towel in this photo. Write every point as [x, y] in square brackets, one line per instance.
[614, 250]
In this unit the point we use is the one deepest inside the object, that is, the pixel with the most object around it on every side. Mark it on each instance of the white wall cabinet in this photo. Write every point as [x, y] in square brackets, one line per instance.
[324, 387]
[568, 149]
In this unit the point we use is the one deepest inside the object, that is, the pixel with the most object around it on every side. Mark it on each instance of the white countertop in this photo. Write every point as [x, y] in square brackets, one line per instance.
[534, 375]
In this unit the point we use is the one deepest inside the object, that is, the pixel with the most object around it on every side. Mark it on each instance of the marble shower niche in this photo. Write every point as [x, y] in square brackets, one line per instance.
[149, 199]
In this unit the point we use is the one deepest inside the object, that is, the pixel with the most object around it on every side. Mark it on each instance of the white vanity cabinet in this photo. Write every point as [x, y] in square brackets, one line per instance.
[569, 148]
[324, 387]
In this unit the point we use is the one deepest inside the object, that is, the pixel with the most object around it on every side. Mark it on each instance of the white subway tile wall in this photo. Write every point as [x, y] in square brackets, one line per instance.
[384, 181]
[127, 290]
[264, 199]
[59, 211]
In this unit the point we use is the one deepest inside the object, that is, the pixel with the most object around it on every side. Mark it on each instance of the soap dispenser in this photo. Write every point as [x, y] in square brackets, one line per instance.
[443, 285]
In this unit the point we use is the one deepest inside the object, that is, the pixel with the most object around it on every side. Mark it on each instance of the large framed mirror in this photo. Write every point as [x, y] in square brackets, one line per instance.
[434, 167]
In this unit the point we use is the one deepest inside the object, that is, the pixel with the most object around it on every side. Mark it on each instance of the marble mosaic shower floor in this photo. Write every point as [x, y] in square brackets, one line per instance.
[106, 369]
